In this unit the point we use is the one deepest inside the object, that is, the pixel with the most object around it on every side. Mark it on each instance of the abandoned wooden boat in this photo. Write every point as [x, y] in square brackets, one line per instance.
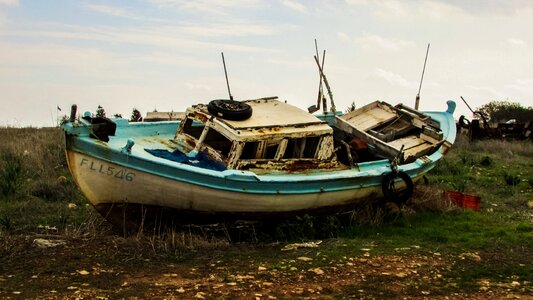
[255, 158]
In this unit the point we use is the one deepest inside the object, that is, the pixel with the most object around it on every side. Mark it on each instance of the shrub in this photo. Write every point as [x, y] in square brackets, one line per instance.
[50, 190]
[511, 179]
[6, 223]
[11, 177]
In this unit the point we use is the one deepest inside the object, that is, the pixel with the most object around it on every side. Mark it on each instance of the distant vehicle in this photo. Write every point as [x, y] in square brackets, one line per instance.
[481, 129]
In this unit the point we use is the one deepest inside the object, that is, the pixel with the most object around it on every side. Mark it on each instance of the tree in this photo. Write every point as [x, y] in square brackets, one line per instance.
[351, 107]
[136, 116]
[100, 112]
[502, 111]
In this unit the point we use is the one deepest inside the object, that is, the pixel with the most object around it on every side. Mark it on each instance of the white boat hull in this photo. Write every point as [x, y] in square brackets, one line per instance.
[105, 183]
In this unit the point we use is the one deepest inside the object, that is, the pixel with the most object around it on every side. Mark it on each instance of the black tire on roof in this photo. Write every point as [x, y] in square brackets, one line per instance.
[230, 109]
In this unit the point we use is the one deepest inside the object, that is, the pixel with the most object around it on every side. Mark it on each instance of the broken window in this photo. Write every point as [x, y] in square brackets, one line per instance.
[250, 150]
[193, 129]
[271, 150]
[311, 146]
[218, 141]
[302, 147]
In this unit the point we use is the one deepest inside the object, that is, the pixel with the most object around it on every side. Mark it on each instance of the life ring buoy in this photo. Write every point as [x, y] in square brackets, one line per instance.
[230, 109]
[388, 186]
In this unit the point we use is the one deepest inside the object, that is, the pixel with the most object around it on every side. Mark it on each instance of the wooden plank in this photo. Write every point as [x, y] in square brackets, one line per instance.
[418, 151]
[408, 142]
[395, 129]
[370, 119]
[429, 139]
[432, 133]
[381, 148]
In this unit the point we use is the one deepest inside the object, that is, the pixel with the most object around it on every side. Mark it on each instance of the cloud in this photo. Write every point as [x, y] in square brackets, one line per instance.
[439, 10]
[9, 2]
[396, 9]
[514, 42]
[392, 78]
[377, 42]
[83, 60]
[198, 86]
[489, 7]
[486, 92]
[169, 37]
[214, 7]
[171, 58]
[294, 5]
[3, 18]
[392, 9]
[356, 2]
[442, 9]
[343, 37]
[229, 29]
[522, 87]
[292, 63]
[114, 11]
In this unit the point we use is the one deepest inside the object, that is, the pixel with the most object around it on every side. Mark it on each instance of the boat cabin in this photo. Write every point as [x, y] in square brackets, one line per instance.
[276, 137]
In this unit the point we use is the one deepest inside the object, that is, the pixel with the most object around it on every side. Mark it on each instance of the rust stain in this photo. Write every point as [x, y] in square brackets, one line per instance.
[191, 143]
[288, 165]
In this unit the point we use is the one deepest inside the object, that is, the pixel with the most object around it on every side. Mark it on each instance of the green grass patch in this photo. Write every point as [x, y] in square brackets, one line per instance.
[38, 215]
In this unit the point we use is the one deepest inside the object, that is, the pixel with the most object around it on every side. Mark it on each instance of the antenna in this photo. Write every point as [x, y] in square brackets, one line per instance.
[320, 98]
[417, 100]
[320, 91]
[226, 73]
[473, 112]
[333, 109]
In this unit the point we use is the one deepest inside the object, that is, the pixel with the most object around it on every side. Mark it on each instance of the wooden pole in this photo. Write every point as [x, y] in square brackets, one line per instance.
[417, 100]
[333, 109]
[320, 91]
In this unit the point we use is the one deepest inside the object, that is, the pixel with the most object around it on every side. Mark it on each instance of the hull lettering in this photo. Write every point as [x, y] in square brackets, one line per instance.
[106, 170]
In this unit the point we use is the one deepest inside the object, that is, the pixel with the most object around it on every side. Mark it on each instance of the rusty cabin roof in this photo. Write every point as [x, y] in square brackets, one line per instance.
[271, 118]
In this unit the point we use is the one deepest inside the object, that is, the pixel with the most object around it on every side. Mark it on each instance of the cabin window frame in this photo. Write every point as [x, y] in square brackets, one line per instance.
[300, 147]
[224, 153]
[188, 124]
[262, 151]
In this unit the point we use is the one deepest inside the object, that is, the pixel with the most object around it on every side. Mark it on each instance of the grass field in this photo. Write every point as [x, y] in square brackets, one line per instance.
[426, 249]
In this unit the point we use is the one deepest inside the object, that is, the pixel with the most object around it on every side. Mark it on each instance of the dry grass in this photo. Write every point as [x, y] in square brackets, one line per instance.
[42, 149]
[171, 241]
[507, 149]
[43, 169]
[431, 199]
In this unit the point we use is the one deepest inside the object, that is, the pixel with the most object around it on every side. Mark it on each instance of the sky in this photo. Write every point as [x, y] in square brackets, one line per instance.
[165, 55]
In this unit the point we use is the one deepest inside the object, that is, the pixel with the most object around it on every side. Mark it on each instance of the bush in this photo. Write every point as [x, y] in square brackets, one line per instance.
[501, 111]
[11, 177]
[51, 190]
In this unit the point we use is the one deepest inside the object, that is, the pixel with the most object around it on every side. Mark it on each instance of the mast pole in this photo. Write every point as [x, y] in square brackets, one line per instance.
[226, 74]
[417, 100]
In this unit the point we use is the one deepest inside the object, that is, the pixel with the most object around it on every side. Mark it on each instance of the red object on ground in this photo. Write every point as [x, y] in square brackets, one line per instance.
[464, 201]
[471, 202]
